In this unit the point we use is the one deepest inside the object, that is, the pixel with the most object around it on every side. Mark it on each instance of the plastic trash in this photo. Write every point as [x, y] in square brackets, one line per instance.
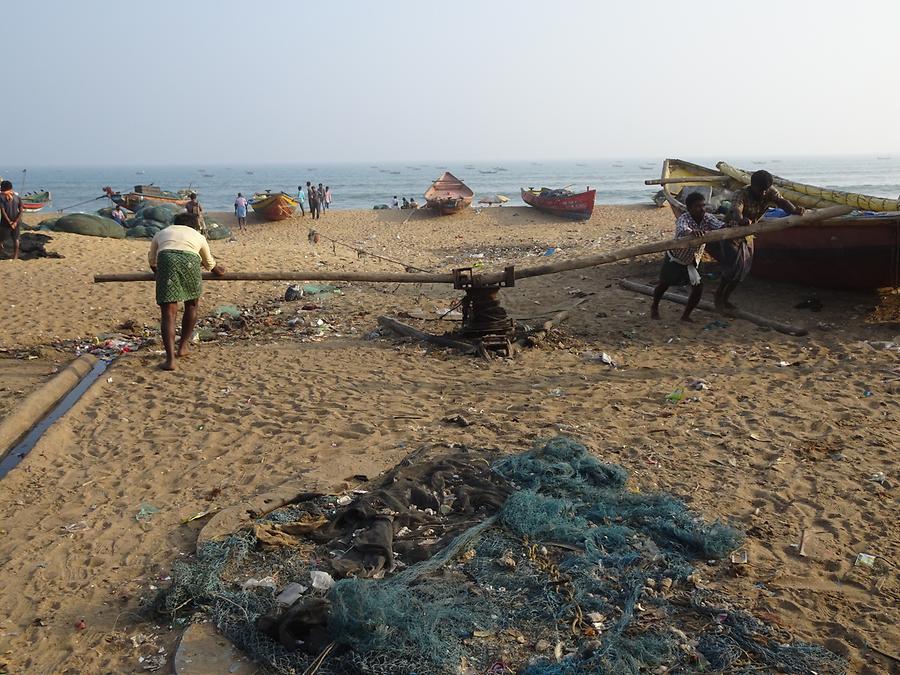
[290, 594]
[321, 581]
[265, 582]
[227, 310]
[550, 251]
[865, 560]
[602, 357]
[146, 512]
[676, 395]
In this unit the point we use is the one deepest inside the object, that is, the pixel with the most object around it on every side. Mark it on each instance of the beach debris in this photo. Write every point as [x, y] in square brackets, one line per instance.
[290, 594]
[715, 324]
[39, 622]
[197, 516]
[227, 310]
[867, 393]
[557, 393]
[146, 512]
[698, 384]
[265, 582]
[458, 420]
[676, 396]
[812, 303]
[805, 537]
[344, 500]
[865, 560]
[80, 526]
[783, 364]
[602, 357]
[550, 251]
[879, 478]
[80, 624]
[739, 557]
[321, 581]
[153, 662]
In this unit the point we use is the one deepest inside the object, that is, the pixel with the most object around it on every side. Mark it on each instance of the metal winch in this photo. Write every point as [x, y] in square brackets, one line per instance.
[483, 317]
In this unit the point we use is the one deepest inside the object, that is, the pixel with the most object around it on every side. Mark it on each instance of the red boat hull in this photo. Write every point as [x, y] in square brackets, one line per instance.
[577, 206]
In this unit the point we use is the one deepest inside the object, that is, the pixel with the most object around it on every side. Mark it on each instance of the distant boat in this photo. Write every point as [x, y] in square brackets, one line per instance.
[35, 201]
[486, 171]
[860, 250]
[500, 168]
[883, 157]
[580, 164]
[249, 173]
[561, 202]
[207, 175]
[448, 194]
[139, 173]
[146, 193]
[394, 173]
[646, 167]
[273, 206]
[618, 166]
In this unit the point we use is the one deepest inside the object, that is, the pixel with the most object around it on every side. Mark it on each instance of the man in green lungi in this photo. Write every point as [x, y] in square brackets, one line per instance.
[176, 254]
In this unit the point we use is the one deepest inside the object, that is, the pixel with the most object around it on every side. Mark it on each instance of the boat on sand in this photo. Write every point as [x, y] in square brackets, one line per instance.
[561, 202]
[273, 206]
[146, 193]
[448, 194]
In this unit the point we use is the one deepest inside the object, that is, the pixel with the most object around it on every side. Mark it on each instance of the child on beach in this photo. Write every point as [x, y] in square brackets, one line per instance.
[681, 266]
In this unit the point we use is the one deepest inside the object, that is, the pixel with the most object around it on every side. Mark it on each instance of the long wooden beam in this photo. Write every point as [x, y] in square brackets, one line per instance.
[787, 328]
[687, 179]
[773, 225]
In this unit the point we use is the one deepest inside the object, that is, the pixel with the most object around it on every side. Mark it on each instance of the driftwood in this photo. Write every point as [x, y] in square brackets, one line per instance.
[538, 335]
[408, 331]
[787, 328]
[523, 273]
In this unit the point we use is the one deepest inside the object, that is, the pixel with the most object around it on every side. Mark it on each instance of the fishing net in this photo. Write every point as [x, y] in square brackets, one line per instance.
[215, 230]
[88, 224]
[545, 562]
[161, 213]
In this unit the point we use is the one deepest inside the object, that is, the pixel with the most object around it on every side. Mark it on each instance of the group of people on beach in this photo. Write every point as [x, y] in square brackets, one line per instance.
[681, 267]
[410, 203]
[318, 199]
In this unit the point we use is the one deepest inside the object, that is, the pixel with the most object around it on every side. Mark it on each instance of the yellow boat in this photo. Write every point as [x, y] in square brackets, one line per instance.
[859, 251]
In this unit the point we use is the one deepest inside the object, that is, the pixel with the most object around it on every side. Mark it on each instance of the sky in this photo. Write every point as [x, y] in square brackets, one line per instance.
[215, 82]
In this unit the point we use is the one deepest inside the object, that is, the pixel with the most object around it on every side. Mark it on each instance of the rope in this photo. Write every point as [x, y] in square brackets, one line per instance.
[361, 251]
[87, 201]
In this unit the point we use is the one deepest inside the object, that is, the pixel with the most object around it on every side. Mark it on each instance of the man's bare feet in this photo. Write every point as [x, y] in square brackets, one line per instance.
[182, 352]
[167, 365]
[686, 318]
[654, 314]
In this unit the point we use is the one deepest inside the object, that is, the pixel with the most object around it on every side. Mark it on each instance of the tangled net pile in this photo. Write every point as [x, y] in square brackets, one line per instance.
[574, 574]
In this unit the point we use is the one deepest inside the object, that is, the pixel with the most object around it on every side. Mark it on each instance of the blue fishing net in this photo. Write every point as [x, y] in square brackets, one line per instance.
[576, 573]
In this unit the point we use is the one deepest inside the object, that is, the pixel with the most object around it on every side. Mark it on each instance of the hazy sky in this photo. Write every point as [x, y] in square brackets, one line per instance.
[223, 82]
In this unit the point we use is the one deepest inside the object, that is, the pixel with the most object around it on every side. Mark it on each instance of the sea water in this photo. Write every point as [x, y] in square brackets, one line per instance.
[363, 185]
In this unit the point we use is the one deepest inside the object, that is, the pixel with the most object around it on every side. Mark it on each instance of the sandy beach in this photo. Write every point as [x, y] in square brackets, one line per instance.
[791, 434]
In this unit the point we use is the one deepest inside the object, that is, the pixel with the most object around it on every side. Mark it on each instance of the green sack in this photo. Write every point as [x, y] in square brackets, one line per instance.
[89, 224]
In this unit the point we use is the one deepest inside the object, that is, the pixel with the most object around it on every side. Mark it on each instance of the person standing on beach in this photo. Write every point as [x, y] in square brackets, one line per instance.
[394, 203]
[682, 265]
[195, 211]
[10, 217]
[240, 210]
[327, 197]
[300, 200]
[321, 193]
[748, 205]
[176, 254]
[313, 201]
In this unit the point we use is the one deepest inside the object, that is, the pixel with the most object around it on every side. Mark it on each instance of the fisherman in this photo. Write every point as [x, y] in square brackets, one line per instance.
[240, 210]
[300, 201]
[682, 265]
[394, 203]
[194, 209]
[176, 254]
[313, 197]
[10, 217]
[405, 204]
[748, 205]
[322, 203]
[118, 215]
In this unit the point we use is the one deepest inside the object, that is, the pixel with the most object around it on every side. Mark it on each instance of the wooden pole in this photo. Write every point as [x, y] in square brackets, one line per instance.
[787, 328]
[692, 179]
[487, 278]
[775, 225]
[408, 331]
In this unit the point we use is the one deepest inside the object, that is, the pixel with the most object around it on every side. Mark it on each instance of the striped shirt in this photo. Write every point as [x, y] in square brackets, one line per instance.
[686, 226]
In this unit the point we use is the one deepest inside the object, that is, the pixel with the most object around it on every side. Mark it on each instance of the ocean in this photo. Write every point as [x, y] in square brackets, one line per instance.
[363, 185]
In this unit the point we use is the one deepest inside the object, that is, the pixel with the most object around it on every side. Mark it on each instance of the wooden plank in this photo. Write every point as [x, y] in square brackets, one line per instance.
[694, 179]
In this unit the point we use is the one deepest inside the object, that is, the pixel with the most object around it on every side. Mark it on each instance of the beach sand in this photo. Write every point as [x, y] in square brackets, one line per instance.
[784, 440]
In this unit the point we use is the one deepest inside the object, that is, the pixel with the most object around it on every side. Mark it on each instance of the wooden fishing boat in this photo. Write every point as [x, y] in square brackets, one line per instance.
[858, 251]
[272, 206]
[146, 193]
[561, 202]
[448, 194]
[35, 201]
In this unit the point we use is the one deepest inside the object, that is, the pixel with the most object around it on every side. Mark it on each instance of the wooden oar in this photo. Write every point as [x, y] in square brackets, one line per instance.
[787, 328]
[724, 234]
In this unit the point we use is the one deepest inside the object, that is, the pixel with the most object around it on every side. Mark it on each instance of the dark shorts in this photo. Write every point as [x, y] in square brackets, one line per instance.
[674, 274]
[736, 258]
[9, 234]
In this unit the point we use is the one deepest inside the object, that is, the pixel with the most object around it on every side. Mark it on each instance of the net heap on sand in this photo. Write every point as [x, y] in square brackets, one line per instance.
[541, 563]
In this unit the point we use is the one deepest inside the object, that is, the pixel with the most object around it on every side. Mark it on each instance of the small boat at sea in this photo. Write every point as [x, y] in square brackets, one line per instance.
[561, 201]
[860, 250]
[35, 201]
[448, 194]
[273, 206]
[146, 193]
